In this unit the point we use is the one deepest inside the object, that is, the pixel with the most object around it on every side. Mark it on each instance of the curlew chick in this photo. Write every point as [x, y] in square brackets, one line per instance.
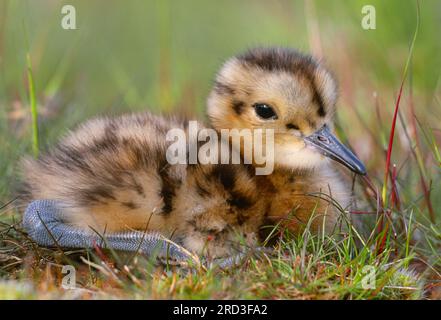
[112, 174]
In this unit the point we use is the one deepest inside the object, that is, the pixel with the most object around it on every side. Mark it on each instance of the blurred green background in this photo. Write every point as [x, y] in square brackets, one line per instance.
[162, 55]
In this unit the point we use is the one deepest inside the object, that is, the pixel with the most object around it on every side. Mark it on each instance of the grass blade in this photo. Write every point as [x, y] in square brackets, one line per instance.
[397, 105]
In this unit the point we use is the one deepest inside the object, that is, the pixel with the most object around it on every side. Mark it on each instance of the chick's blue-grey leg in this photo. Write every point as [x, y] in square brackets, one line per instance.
[42, 223]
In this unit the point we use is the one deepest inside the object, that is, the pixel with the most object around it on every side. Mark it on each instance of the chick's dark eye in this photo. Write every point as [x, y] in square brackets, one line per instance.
[265, 111]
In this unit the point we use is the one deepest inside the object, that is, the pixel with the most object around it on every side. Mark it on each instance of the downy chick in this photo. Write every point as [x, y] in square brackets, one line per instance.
[111, 174]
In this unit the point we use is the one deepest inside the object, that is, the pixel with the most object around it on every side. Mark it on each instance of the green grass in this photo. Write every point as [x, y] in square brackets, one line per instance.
[308, 266]
[162, 56]
[33, 104]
